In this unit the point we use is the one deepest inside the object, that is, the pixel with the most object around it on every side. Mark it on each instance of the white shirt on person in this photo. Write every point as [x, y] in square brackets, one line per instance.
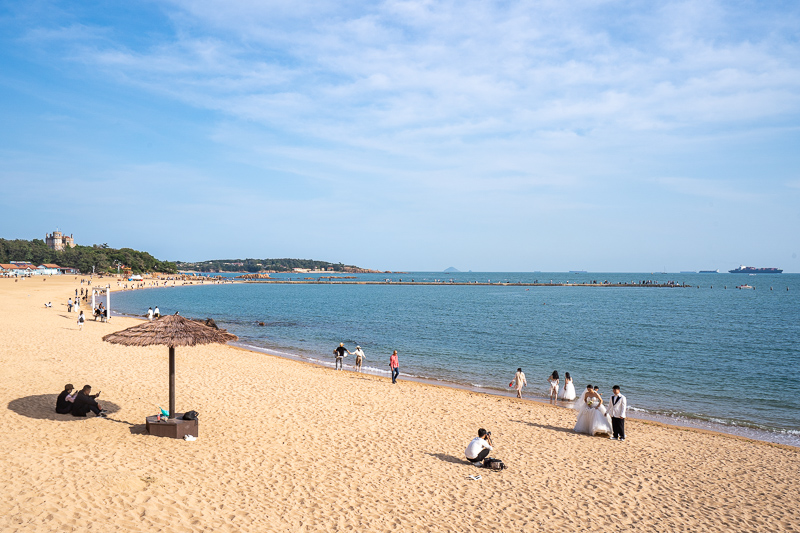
[617, 406]
[476, 446]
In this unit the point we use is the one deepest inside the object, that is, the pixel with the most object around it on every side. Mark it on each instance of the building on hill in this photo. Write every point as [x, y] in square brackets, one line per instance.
[58, 241]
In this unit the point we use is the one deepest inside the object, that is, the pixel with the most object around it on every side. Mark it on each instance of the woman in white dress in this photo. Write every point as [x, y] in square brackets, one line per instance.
[553, 380]
[519, 382]
[602, 406]
[568, 390]
[584, 418]
[591, 419]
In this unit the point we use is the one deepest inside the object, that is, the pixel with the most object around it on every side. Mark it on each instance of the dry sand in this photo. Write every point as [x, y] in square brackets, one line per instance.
[286, 446]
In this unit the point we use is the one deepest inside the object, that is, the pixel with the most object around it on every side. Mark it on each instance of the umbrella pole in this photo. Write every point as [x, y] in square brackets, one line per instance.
[172, 382]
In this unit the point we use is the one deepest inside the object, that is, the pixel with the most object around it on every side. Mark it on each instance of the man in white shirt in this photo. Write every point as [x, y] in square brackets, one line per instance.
[150, 313]
[478, 449]
[616, 409]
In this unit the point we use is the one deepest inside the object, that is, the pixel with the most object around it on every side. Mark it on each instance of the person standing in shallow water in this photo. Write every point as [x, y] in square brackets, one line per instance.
[338, 352]
[394, 365]
[519, 382]
[359, 358]
[553, 380]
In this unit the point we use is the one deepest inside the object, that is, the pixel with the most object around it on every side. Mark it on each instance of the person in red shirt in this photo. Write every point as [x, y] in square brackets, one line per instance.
[394, 365]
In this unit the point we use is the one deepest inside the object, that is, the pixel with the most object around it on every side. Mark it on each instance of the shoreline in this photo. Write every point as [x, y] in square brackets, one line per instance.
[688, 424]
[776, 436]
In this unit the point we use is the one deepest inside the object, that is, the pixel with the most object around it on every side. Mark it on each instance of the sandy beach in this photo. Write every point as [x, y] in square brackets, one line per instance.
[288, 446]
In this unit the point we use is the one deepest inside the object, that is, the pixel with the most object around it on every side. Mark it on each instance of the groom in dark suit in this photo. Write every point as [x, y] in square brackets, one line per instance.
[616, 409]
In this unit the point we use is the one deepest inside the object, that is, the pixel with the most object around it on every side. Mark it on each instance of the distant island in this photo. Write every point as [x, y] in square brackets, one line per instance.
[253, 266]
[451, 269]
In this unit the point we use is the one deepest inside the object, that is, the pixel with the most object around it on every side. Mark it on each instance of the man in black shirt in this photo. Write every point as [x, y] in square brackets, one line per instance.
[339, 353]
[85, 402]
[64, 400]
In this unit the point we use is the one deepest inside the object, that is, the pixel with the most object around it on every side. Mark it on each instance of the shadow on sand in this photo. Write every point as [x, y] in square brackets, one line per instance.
[543, 426]
[42, 407]
[449, 458]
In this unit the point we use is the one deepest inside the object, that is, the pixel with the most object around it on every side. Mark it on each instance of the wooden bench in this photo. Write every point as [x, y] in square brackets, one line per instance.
[174, 428]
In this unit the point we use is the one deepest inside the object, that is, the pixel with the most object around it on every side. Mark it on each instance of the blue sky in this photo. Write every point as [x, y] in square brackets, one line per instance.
[502, 136]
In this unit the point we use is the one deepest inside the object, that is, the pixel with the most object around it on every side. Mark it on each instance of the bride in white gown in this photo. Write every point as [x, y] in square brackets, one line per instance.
[591, 414]
[567, 391]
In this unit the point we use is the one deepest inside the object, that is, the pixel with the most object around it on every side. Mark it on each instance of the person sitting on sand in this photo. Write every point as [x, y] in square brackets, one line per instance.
[85, 401]
[479, 447]
[65, 399]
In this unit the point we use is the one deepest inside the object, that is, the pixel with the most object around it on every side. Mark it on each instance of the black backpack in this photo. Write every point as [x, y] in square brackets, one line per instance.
[494, 464]
[190, 415]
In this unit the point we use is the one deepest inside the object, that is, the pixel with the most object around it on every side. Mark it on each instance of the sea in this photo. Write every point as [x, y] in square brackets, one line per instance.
[700, 353]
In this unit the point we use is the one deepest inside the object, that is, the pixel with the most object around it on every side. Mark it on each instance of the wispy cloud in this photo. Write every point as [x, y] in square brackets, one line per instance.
[454, 109]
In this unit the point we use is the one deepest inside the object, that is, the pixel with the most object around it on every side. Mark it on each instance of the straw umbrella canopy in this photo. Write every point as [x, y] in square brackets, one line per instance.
[171, 331]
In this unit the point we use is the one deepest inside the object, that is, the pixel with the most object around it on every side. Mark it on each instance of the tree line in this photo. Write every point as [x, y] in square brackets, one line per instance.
[100, 256]
[262, 265]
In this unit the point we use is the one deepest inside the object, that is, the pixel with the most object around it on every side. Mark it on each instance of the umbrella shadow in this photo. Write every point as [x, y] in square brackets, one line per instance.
[42, 407]
[545, 426]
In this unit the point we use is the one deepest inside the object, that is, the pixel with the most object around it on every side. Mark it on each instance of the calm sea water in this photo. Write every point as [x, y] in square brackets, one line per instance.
[707, 356]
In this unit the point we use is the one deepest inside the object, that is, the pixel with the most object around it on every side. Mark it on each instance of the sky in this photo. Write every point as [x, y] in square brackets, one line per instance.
[599, 135]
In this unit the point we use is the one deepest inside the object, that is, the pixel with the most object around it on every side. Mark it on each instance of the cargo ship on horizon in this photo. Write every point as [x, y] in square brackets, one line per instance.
[753, 270]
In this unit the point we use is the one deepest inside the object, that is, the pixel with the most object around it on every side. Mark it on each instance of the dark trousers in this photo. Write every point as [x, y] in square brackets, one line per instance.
[618, 426]
[481, 456]
[395, 373]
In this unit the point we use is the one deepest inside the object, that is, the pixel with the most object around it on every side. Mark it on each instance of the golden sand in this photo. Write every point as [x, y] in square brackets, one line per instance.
[287, 446]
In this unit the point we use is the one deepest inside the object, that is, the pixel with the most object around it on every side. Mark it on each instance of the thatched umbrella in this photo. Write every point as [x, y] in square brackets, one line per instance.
[172, 331]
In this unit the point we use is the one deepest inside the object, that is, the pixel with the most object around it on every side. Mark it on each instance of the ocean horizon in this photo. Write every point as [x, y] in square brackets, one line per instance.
[705, 354]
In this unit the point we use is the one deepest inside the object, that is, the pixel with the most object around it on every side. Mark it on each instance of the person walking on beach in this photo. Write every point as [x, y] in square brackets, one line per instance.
[553, 380]
[339, 353]
[69, 305]
[81, 319]
[359, 358]
[150, 314]
[394, 365]
[157, 313]
[617, 408]
[519, 382]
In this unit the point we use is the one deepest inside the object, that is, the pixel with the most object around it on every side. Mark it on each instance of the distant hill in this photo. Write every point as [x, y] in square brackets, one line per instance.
[266, 265]
[451, 269]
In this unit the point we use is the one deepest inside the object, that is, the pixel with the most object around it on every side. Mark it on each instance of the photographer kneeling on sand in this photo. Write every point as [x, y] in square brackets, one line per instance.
[478, 449]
